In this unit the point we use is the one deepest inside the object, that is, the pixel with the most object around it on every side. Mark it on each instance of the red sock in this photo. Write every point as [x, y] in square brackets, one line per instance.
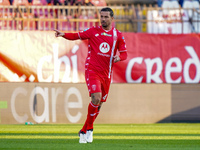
[92, 110]
[97, 114]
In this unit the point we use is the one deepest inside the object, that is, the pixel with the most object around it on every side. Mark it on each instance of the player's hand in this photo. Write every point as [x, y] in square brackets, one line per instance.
[116, 58]
[58, 33]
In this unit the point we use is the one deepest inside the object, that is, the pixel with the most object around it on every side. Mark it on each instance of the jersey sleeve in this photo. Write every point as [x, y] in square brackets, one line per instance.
[123, 55]
[121, 43]
[86, 34]
[122, 47]
[71, 36]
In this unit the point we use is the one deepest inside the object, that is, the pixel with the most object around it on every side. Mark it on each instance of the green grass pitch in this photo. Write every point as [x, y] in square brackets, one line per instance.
[169, 136]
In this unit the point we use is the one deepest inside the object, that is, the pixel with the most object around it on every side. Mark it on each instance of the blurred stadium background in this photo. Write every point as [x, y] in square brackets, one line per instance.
[42, 78]
[149, 16]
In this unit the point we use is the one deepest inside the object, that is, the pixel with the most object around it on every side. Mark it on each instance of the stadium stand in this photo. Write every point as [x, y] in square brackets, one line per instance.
[4, 2]
[98, 2]
[38, 2]
[130, 15]
[136, 2]
[191, 16]
[20, 2]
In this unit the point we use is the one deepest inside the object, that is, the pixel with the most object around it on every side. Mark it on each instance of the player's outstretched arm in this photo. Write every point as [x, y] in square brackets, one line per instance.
[68, 36]
[59, 33]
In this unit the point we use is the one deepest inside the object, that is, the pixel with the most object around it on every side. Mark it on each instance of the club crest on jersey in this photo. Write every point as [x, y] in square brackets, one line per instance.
[104, 47]
[106, 34]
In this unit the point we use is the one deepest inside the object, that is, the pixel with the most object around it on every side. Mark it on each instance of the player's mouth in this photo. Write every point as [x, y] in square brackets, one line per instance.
[103, 22]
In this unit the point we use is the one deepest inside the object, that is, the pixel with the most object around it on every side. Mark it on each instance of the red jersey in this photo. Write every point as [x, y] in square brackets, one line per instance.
[102, 46]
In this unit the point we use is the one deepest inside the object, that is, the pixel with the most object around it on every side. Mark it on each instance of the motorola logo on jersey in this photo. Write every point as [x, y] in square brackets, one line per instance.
[104, 47]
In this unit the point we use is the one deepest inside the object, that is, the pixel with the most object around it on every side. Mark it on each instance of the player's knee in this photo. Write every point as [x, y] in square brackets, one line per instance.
[96, 99]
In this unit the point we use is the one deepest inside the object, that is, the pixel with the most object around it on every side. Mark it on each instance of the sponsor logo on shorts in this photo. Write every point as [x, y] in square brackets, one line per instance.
[94, 87]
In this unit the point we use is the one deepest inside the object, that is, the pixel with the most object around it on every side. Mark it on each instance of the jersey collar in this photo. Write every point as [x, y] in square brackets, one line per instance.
[107, 30]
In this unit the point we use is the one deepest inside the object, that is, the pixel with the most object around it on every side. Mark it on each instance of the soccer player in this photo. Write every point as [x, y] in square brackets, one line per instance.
[103, 43]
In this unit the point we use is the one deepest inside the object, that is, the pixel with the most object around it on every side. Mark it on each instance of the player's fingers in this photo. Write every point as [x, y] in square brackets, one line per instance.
[56, 30]
[115, 60]
[116, 57]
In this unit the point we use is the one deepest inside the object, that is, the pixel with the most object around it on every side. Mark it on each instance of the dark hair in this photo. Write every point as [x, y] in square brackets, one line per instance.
[108, 9]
